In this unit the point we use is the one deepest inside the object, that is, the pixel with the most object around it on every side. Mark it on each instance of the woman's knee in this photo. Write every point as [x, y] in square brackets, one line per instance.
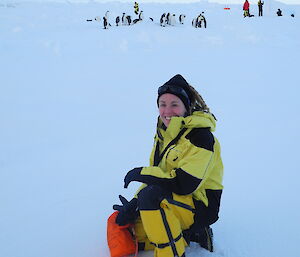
[150, 197]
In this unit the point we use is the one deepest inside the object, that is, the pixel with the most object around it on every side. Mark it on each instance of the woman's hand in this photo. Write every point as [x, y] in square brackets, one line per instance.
[128, 212]
[132, 175]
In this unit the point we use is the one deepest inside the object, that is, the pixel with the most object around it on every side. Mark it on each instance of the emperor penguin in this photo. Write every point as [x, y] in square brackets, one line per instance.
[128, 18]
[141, 16]
[123, 19]
[163, 20]
[181, 18]
[194, 22]
[168, 18]
[107, 17]
[105, 22]
[117, 20]
[172, 20]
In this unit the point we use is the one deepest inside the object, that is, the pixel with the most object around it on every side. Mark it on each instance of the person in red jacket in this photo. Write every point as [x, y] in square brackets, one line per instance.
[246, 8]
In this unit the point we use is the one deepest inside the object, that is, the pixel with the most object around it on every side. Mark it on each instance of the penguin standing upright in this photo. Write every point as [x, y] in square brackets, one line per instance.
[163, 20]
[117, 20]
[128, 17]
[172, 20]
[141, 16]
[181, 18]
[105, 23]
[123, 19]
[201, 19]
[198, 21]
[194, 23]
[168, 18]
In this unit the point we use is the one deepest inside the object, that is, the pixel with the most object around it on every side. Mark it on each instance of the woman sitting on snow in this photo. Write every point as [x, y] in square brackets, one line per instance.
[181, 191]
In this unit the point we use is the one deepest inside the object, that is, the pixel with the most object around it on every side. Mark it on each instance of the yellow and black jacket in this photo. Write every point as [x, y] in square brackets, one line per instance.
[186, 160]
[136, 8]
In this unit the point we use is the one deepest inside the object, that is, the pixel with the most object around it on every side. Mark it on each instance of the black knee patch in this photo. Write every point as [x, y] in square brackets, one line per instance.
[150, 197]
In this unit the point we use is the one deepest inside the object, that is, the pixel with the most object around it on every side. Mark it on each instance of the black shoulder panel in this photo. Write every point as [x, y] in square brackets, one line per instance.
[202, 137]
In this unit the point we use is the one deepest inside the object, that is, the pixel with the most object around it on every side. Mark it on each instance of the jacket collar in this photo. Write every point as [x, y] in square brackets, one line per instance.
[197, 120]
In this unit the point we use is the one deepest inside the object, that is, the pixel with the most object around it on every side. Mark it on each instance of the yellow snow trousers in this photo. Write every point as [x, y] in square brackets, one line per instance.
[160, 229]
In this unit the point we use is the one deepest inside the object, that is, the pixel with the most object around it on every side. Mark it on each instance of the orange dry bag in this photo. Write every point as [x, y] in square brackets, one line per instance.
[120, 241]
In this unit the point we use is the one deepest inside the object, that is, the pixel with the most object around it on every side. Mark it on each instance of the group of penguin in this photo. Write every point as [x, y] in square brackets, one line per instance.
[165, 19]
[127, 20]
[199, 21]
[169, 19]
[124, 19]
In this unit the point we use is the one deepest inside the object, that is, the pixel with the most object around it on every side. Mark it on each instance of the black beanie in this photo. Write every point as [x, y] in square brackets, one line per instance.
[180, 82]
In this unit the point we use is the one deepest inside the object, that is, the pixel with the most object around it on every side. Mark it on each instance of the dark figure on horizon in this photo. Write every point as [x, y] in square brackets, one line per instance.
[136, 8]
[260, 7]
[279, 12]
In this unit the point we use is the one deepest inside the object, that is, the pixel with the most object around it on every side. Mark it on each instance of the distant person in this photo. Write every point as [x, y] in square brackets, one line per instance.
[181, 188]
[136, 8]
[260, 7]
[246, 8]
[279, 12]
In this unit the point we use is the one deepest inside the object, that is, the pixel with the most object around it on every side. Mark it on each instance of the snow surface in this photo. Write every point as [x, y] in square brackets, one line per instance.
[78, 110]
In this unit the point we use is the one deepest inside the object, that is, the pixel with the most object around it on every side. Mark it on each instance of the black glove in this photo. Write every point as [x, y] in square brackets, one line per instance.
[128, 212]
[188, 234]
[132, 175]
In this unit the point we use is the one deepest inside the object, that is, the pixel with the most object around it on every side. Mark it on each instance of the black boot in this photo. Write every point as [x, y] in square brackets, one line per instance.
[204, 237]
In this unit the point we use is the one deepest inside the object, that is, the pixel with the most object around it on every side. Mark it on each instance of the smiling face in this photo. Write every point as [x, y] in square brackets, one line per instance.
[169, 106]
